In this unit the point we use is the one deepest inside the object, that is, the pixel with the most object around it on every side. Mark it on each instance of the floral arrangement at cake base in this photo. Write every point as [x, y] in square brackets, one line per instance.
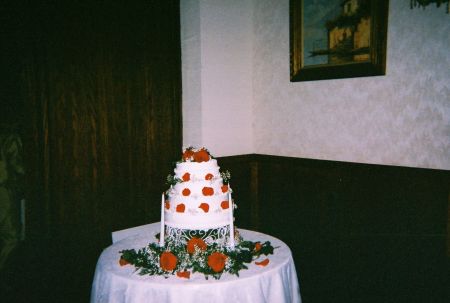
[196, 256]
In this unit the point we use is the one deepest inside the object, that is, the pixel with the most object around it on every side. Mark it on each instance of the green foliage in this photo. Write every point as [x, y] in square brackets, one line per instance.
[146, 260]
[172, 180]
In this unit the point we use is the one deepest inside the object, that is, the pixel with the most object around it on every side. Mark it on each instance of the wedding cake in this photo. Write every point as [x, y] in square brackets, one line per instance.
[198, 202]
[197, 233]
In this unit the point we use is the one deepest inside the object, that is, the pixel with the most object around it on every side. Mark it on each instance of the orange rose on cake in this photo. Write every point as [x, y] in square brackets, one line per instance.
[208, 191]
[186, 177]
[180, 208]
[204, 207]
[186, 192]
[224, 188]
[225, 204]
[188, 153]
[201, 155]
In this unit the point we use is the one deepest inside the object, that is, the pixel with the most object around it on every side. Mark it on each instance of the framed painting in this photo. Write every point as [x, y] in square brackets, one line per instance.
[333, 39]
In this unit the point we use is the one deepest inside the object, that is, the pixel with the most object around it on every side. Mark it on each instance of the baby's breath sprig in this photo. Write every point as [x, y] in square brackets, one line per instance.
[226, 176]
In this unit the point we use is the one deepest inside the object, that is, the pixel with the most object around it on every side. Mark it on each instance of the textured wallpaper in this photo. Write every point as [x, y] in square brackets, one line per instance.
[237, 97]
[402, 118]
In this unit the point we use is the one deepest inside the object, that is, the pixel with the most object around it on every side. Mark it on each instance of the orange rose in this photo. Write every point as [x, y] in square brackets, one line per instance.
[257, 246]
[123, 262]
[188, 153]
[167, 204]
[216, 261]
[263, 263]
[208, 191]
[184, 274]
[168, 261]
[180, 208]
[225, 204]
[209, 177]
[195, 242]
[186, 192]
[186, 177]
[205, 207]
[201, 156]
[224, 188]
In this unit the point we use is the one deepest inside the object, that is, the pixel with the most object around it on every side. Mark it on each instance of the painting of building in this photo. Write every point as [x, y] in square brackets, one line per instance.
[348, 34]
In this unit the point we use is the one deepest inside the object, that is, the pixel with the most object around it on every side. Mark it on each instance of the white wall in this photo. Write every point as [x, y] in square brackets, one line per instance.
[402, 118]
[217, 75]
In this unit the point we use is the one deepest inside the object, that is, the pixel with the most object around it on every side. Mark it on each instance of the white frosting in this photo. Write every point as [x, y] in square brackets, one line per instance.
[198, 202]
[197, 220]
[198, 171]
[196, 188]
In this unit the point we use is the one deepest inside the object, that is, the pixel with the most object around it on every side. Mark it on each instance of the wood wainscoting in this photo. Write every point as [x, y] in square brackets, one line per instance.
[358, 232]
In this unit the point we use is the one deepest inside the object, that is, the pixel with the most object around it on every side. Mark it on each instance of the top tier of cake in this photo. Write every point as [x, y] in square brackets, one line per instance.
[199, 199]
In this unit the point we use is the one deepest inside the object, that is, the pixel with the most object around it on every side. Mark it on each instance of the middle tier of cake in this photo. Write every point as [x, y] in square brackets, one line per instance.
[196, 210]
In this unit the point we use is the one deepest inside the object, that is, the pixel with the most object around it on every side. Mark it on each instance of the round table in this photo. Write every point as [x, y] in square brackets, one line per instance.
[277, 282]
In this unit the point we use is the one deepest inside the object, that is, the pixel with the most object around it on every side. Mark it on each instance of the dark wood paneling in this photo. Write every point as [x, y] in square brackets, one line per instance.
[358, 232]
[349, 198]
[101, 82]
[244, 185]
[103, 86]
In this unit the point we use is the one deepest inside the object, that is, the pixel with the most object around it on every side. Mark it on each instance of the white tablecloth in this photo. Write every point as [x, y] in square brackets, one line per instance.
[275, 283]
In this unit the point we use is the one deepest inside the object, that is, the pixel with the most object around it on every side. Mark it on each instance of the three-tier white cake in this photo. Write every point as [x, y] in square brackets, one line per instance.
[198, 202]
[197, 233]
